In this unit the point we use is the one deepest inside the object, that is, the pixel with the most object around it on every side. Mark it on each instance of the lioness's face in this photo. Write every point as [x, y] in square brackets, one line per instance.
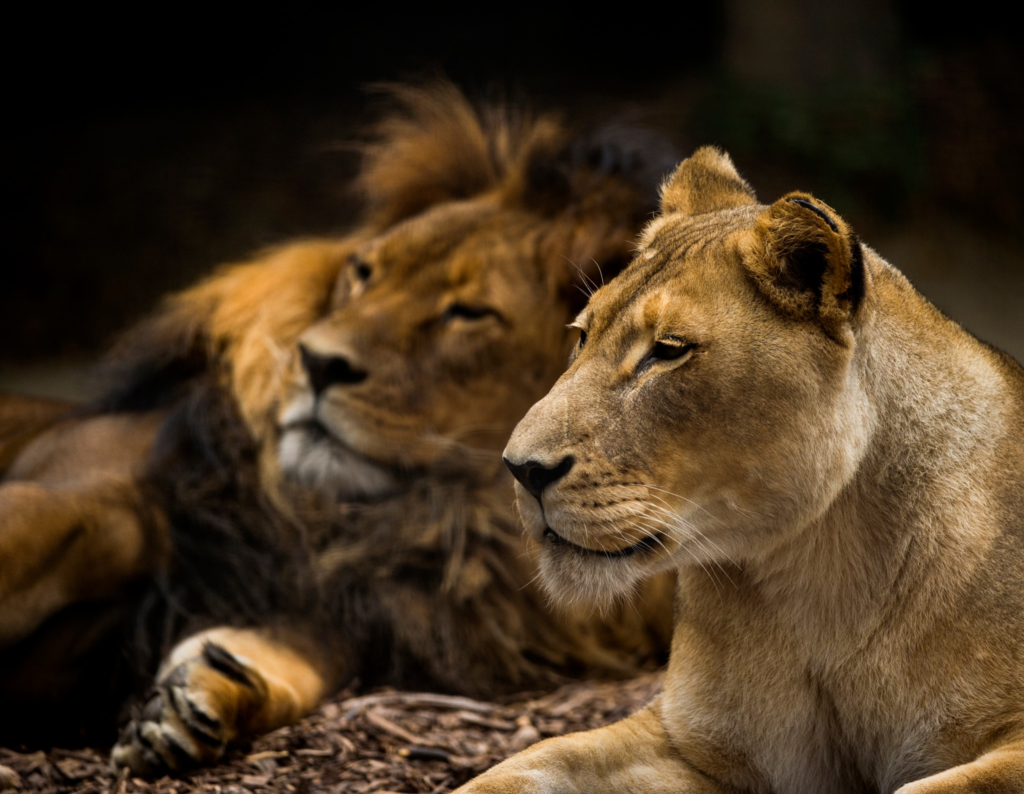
[697, 424]
[440, 334]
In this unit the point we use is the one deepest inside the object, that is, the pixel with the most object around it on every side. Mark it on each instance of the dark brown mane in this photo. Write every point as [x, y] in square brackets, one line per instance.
[426, 589]
[435, 146]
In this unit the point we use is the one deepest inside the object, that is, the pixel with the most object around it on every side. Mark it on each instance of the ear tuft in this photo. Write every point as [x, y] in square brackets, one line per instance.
[707, 181]
[817, 211]
[808, 262]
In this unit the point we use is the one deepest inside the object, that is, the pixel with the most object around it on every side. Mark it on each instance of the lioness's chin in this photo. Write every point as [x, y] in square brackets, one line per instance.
[574, 574]
[311, 458]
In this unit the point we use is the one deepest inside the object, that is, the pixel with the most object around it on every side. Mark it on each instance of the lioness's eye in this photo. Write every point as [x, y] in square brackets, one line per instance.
[465, 311]
[669, 351]
[583, 338]
[665, 350]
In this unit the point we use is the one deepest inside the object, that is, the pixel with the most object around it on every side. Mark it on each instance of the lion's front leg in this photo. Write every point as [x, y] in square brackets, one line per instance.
[1000, 771]
[218, 687]
[61, 546]
[631, 755]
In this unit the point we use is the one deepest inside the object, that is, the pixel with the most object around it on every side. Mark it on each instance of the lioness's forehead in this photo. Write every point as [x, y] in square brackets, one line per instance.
[673, 250]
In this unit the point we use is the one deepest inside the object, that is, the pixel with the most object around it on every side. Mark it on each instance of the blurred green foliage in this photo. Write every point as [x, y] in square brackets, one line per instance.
[854, 141]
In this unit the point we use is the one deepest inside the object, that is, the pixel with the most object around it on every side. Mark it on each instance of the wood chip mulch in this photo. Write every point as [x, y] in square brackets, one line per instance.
[383, 742]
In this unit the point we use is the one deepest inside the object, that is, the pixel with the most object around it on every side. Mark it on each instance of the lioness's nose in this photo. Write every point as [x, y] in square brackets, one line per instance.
[324, 371]
[535, 476]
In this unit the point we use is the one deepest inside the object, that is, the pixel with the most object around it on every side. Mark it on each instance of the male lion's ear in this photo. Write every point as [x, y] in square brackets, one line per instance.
[596, 190]
[707, 181]
[808, 262]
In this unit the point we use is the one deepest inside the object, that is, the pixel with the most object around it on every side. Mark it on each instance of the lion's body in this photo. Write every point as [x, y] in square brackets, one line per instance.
[300, 457]
[836, 470]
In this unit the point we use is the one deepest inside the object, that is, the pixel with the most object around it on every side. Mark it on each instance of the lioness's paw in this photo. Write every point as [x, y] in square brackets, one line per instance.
[193, 715]
[498, 782]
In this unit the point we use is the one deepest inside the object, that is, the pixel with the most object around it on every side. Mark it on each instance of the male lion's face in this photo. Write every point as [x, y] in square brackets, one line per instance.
[440, 334]
[699, 423]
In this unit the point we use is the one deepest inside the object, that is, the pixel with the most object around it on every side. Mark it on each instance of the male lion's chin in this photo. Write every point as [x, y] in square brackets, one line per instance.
[317, 462]
[574, 575]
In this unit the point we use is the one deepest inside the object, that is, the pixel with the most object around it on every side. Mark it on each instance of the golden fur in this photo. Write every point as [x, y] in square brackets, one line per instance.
[303, 452]
[836, 471]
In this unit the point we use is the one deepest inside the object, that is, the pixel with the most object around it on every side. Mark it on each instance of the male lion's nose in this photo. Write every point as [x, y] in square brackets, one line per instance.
[536, 476]
[324, 371]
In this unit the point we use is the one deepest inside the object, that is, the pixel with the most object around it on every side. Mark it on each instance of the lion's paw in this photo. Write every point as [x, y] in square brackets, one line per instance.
[498, 781]
[192, 716]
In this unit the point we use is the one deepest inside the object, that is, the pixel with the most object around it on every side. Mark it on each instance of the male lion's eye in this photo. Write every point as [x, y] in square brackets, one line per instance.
[465, 311]
[360, 268]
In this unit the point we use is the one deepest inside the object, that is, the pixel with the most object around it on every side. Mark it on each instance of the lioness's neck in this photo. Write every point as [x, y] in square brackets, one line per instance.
[912, 520]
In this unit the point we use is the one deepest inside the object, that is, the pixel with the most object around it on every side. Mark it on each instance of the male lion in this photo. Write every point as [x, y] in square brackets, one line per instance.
[295, 478]
[835, 469]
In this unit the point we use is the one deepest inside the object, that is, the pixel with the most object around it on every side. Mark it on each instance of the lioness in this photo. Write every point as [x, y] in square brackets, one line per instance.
[295, 477]
[836, 471]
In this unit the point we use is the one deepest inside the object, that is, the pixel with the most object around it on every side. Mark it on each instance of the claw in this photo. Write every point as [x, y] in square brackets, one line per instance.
[178, 728]
[227, 664]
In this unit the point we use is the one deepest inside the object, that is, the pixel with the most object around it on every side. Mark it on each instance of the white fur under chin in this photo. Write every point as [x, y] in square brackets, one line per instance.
[329, 468]
[573, 580]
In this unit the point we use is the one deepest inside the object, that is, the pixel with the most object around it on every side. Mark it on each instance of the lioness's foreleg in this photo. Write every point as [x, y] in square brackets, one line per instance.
[1000, 771]
[631, 755]
[217, 687]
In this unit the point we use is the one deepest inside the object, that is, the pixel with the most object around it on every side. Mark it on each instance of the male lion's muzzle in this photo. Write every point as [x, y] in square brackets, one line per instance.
[325, 370]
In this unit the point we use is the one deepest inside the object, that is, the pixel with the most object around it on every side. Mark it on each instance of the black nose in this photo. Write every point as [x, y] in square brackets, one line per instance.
[324, 371]
[535, 476]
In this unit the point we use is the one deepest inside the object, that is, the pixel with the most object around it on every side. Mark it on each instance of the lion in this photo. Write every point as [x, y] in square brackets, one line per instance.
[834, 469]
[294, 479]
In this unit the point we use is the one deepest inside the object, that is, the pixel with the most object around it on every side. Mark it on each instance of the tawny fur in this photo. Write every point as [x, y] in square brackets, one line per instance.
[367, 531]
[836, 471]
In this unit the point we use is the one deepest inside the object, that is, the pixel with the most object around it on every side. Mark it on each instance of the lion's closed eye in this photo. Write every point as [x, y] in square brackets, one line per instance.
[469, 312]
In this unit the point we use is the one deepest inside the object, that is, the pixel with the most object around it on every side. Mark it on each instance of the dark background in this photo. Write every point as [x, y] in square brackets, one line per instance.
[140, 151]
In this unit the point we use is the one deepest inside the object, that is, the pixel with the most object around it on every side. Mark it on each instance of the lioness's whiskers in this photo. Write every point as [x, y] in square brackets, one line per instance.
[677, 523]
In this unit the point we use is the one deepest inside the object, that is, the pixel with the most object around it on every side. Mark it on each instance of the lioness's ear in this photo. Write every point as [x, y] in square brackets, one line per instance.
[808, 262]
[705, 182]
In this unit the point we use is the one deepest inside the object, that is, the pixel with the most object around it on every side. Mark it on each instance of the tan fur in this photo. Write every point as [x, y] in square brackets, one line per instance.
[836, 471]
[453, 296]
[71, 530]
